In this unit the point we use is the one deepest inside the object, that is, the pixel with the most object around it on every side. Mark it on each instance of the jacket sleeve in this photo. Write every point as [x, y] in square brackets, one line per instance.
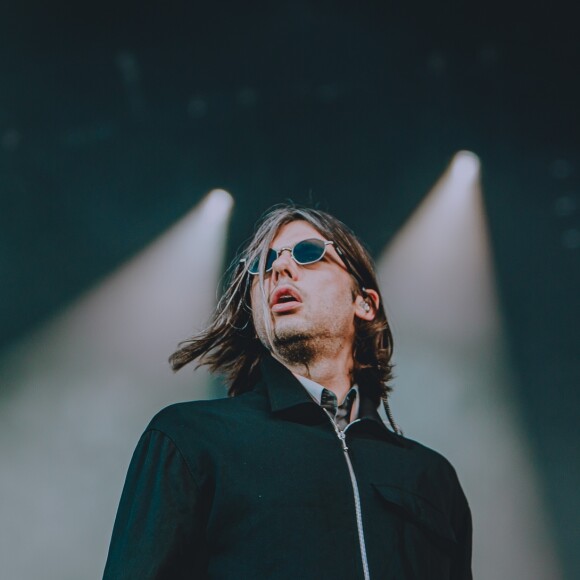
[463, 531]
[159, 529]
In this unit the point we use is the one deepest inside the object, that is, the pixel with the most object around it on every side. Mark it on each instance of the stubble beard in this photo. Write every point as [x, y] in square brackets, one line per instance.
[297, 348]
[297, 343]
[301, 346]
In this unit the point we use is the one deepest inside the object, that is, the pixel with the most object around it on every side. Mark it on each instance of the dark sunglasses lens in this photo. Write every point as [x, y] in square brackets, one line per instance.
[270, 259]
[308, 251]
[253, 267]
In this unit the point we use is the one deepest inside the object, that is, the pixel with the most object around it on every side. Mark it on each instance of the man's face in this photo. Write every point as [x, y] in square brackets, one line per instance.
[311, 307]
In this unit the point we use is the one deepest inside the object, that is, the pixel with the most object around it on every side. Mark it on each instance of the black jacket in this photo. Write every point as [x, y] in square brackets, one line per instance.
[258, 486]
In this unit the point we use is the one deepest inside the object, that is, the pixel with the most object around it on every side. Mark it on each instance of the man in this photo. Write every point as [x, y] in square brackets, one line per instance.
[295, 475]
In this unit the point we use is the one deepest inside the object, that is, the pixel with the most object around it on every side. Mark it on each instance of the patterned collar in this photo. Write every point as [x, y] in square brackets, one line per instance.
[315, 389]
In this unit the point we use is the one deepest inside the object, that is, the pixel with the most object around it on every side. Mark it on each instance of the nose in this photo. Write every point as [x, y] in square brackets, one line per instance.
[284, 265]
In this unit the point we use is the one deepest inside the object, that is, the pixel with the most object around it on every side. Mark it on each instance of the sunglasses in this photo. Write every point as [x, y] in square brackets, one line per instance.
[303, 253]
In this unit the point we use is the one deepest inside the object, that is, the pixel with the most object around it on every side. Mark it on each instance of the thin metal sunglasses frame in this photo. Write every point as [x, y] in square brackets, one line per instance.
[252, 268]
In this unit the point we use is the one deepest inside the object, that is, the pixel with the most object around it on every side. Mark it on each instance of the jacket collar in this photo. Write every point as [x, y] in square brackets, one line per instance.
[289, 399]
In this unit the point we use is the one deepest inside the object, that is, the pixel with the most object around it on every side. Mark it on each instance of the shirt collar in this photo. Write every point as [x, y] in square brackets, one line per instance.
[288, 399]
[315, 389]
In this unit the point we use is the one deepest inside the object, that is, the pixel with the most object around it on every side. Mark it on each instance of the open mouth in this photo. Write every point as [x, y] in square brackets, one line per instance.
[285, 299]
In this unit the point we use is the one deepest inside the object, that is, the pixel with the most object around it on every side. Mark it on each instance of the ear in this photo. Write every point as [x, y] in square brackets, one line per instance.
[366, 305]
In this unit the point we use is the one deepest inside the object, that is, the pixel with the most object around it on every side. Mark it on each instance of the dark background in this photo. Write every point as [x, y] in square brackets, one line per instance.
[116, 118]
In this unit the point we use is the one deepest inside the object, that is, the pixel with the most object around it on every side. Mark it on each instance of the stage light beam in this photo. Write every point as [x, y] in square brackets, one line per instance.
[78, 393]
[452, 387]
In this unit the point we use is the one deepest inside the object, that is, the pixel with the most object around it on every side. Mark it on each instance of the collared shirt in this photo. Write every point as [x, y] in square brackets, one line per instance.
[315, 389]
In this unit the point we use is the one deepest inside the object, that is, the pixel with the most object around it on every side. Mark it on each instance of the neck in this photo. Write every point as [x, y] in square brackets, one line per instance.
[333, 373]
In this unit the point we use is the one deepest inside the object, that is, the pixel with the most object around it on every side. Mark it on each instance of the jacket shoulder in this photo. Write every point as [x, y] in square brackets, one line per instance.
[432, 459]
[201, 414]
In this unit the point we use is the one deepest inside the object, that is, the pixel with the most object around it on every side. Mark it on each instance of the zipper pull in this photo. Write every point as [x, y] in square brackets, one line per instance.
[342, 437]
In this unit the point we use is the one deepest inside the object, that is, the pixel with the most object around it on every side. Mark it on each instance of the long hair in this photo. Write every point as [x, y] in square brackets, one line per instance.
[229, 344]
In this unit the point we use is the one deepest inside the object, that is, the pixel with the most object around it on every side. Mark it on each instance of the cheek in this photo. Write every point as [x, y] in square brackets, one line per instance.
[256, 295]
[339, 300]
[257, 303]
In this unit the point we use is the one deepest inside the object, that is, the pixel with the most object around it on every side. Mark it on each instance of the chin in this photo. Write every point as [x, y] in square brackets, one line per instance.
[286, 328]
[294, 345]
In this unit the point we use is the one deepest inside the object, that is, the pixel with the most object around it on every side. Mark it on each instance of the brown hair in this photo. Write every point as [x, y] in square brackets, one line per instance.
[229, 344]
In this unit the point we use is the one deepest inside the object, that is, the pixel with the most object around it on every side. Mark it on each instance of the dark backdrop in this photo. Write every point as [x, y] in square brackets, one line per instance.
[116, 117]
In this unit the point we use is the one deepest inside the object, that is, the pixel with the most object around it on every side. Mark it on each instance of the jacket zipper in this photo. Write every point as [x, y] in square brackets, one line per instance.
[357, 505]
